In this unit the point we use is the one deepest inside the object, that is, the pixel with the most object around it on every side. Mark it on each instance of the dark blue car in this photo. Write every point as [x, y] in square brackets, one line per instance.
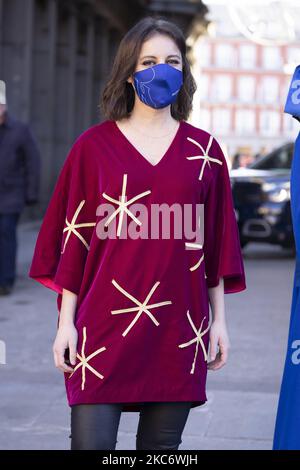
[261, 194]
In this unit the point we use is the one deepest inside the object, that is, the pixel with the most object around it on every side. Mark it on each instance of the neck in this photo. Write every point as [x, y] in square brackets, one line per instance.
[145, 116]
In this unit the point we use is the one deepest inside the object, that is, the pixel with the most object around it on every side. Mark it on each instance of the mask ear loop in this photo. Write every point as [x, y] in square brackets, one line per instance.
[132, 83]
[175, 102]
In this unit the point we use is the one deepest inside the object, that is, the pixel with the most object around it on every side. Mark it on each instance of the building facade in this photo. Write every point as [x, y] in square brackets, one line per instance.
[242, 89]
[55, 56]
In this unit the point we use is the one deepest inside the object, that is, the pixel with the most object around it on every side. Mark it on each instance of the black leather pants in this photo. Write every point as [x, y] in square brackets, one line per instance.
[95, 426]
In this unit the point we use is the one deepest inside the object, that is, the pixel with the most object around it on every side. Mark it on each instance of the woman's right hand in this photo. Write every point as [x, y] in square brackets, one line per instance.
[66, 337]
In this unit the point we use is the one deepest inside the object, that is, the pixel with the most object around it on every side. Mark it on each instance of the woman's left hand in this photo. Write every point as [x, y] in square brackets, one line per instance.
[218, 338]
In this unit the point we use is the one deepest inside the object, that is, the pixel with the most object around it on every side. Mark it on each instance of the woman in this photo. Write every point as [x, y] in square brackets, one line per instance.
[134, 307]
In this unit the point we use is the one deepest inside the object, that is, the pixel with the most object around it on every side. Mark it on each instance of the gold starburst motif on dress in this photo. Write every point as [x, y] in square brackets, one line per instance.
[72, 226]
[196, 246]
[84, 361]
[142, 307]
[206, 157]
[123, 206]
[198, 340]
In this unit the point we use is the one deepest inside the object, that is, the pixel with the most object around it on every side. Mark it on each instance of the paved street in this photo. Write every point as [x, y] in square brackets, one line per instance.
[242, 397]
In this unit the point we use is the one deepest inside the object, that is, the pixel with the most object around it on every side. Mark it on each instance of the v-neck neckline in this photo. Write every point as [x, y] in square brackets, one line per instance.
[139, 154]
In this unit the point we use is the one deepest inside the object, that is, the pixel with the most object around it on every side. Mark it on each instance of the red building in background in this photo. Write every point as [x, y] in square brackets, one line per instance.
[242, 88]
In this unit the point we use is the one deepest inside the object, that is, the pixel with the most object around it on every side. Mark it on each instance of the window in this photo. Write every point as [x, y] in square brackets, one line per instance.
[203, 87]
[284, 89]
[246, 89]
[269, 122]
[221, 120]
[280, 158]
[290, 124]
[247, 54]
[204, 54]
[222, 87]
[293, 55]
[245, 121]
[271, 58]
[269, 90]
[225, 55]
[204, 119]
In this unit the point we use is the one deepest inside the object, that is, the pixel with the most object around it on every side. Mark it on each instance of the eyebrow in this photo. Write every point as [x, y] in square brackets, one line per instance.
[154, 57]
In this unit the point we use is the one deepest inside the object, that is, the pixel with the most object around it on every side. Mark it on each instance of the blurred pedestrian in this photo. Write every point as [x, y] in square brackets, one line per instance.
[235, 161]
[19, 185]
[246, 158]
[243, 158]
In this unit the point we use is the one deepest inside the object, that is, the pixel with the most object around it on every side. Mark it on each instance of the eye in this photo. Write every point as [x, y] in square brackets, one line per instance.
[172, 61]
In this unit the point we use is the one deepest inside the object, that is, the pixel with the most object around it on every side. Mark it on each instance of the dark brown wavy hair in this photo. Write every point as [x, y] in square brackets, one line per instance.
[117, 98]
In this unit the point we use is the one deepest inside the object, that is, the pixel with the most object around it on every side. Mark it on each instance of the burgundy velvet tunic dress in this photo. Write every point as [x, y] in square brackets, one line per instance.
[142, 311]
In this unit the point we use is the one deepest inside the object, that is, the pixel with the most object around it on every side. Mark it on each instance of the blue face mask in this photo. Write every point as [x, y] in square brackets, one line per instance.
[158, 86]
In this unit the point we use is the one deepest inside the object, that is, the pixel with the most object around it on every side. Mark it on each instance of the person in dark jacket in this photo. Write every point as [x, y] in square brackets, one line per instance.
[19, 186]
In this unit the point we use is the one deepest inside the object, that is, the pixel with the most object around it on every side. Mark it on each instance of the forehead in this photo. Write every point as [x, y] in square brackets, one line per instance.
[159, 45]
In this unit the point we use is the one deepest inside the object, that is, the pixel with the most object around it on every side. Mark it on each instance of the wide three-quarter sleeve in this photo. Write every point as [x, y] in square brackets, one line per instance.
[63, 241]
[222, 250]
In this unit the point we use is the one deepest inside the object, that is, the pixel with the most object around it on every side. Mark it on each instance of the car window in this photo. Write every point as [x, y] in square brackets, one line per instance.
[280, 158]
